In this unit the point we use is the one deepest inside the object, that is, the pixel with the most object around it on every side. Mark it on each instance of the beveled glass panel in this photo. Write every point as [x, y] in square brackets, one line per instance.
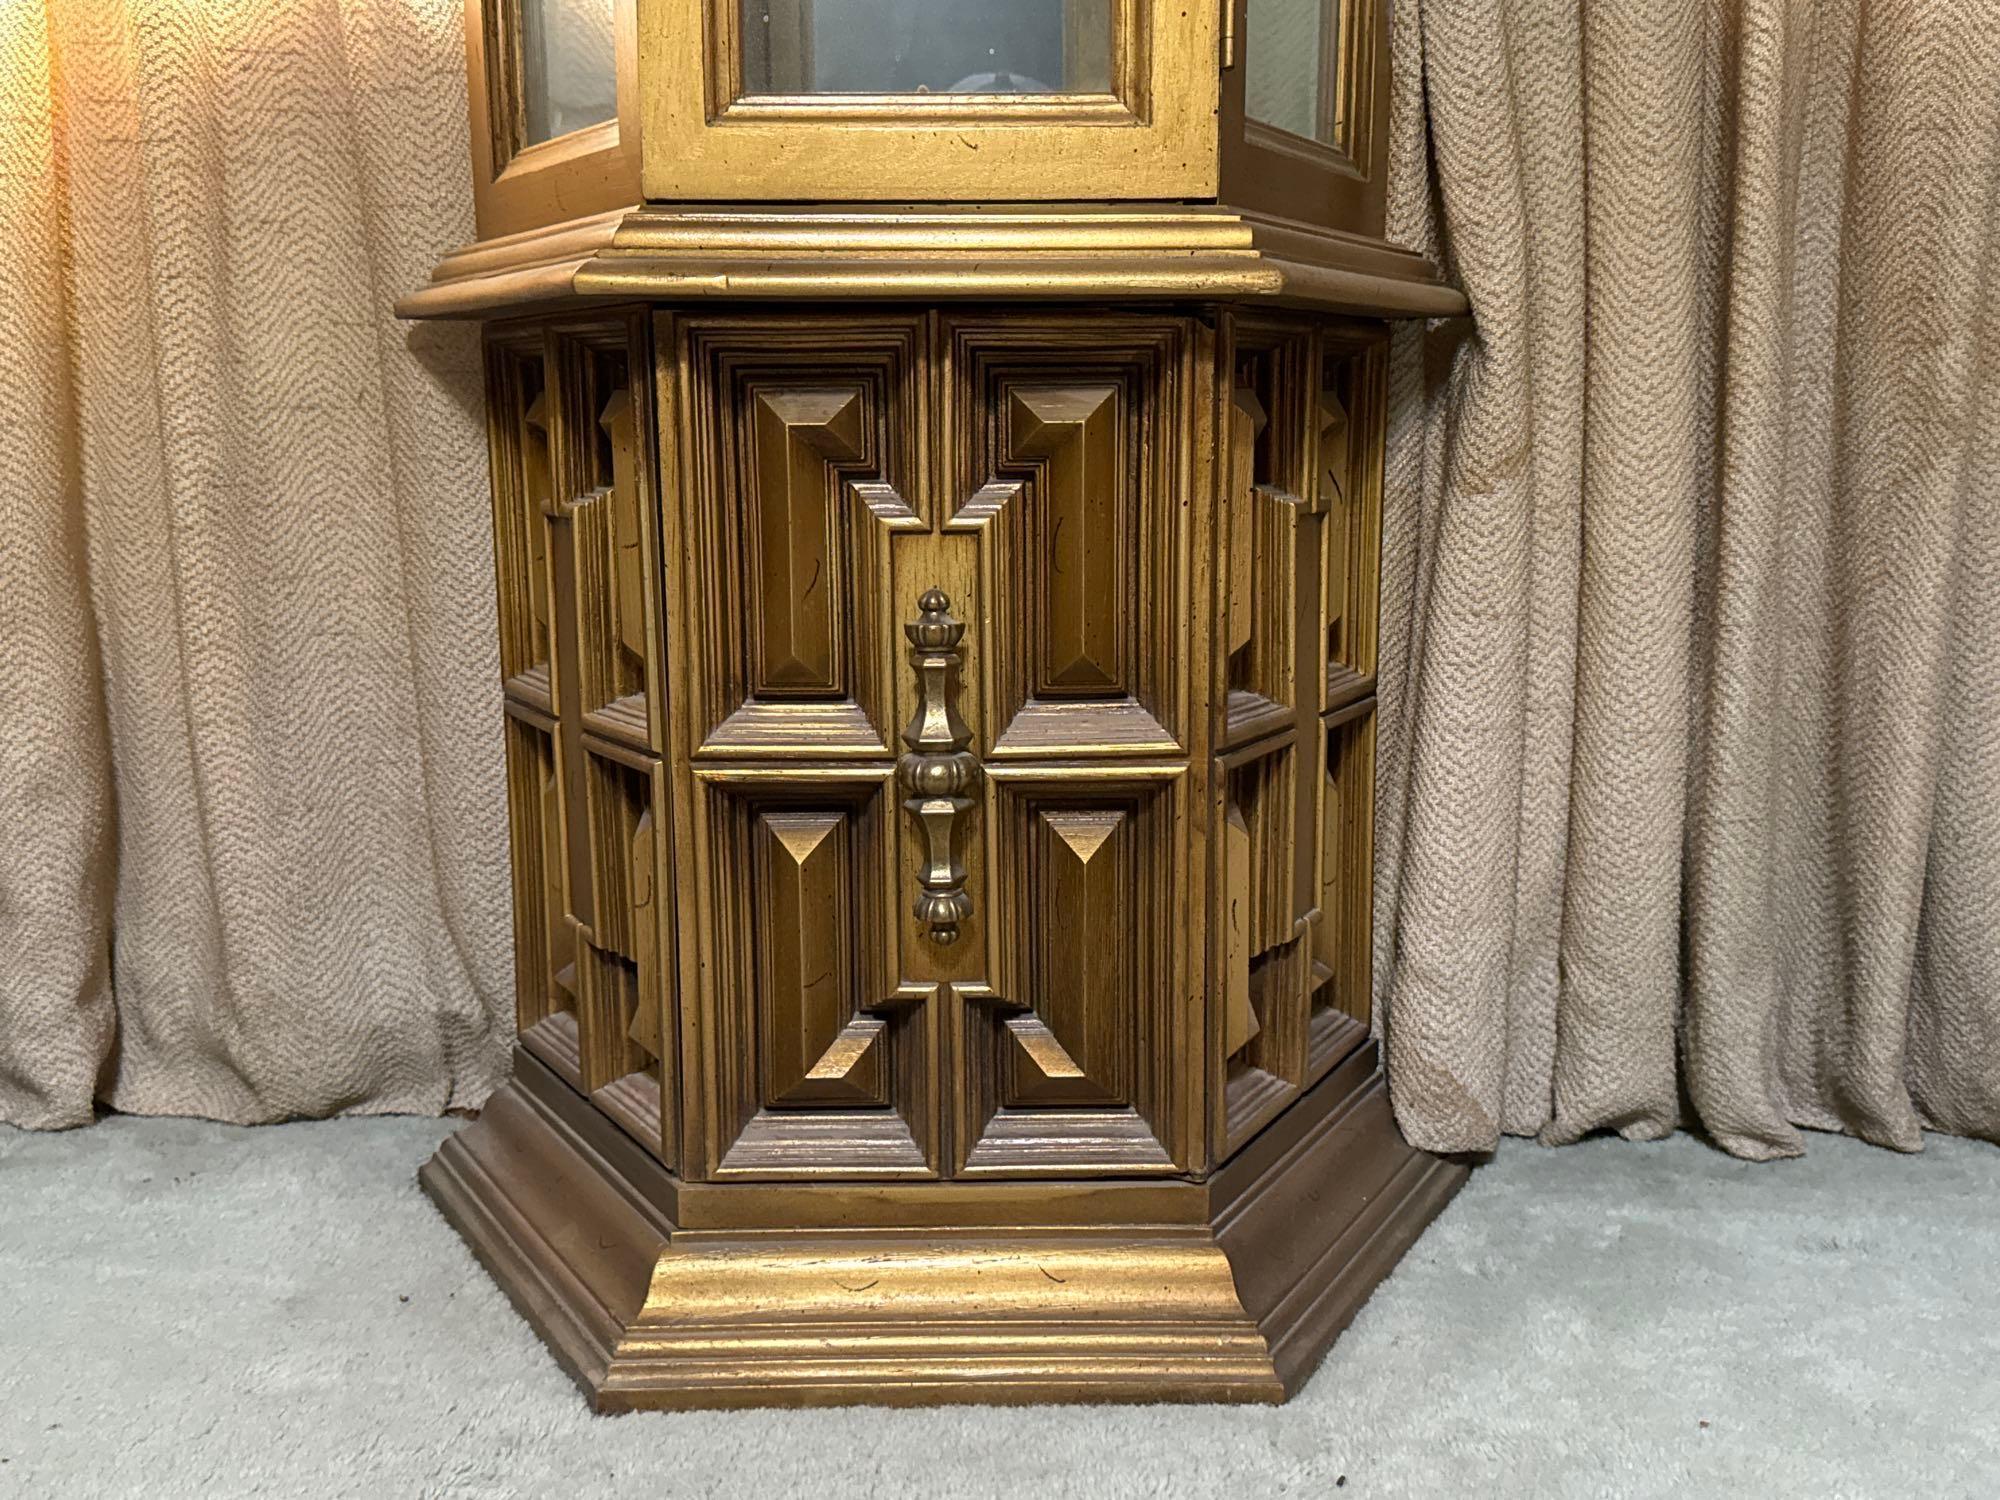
[569, 66]
[1292, 66]
[977, 47]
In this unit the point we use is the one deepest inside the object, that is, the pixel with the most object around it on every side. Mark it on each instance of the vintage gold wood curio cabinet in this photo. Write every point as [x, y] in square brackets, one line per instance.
[937, 468]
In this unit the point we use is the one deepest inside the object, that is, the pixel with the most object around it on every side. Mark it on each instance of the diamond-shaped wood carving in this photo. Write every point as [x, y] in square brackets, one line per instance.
[803, 440]
[818, 1049]
[803, 460]
[1075, 1049]
[1065, 459]
[1072, 433]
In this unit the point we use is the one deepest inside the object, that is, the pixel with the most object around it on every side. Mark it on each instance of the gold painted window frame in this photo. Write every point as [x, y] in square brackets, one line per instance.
[1152, 136]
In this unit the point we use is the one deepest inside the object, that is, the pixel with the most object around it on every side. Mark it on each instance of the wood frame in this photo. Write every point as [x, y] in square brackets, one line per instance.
[938, 640]
[1339, 186]
[519, 187]
[1152, 136]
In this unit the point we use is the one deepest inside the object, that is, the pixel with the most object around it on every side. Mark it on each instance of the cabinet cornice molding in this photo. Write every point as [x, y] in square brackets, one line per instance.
[1075, 252]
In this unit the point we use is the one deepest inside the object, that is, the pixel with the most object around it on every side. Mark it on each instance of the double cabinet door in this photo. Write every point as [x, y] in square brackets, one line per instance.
[930, 618]
[940, 744]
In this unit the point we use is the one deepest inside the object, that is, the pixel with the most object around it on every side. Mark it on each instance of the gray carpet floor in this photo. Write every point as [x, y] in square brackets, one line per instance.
[195, 1310]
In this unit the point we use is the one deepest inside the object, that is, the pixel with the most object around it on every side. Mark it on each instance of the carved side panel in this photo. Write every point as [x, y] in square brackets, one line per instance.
[544, 948]
[577, 569]
[804, 442]
[1070, 444]
[1351, 419]
[1273, 534]
[1348, 473]
[1343, 962]
[1300, 493]
[1266, 781]
[624, 1024]
[518, 450]
[1267, 908]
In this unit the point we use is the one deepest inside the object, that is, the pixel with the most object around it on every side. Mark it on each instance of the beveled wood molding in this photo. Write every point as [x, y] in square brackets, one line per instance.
[1065, 253]
[1234, 1302]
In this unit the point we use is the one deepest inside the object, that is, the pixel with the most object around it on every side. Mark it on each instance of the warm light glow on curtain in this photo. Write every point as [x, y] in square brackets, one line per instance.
[252, 610]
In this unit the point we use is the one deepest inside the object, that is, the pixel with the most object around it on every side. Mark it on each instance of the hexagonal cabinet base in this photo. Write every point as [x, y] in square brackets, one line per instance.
[1226, 1291]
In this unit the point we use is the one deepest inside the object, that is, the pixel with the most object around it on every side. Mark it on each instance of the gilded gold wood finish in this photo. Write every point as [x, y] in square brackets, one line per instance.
[1151, 136]
[936, 541]
[953, 987]
[1089, 252]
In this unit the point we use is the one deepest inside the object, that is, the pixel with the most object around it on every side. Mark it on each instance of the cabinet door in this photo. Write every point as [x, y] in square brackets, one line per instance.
[1304, 110]
[1077, 1048]
[939, 908]
[801, 457]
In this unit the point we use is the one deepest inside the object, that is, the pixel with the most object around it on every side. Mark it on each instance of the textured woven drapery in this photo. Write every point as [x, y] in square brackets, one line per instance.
[1691, 731]
[250, 768]
[1690, 714]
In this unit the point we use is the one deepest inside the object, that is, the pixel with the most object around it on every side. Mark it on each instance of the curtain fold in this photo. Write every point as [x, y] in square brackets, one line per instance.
[1691, 766]
[304, 909]
[1690, 694]
[56, 1020]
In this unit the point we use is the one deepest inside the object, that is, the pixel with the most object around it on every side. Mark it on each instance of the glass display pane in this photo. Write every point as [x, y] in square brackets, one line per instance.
[1291, 66]
[569, 66]
[926, 46]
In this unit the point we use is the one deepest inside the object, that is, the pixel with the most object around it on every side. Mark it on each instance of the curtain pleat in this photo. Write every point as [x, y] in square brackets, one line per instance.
[283, 495]
[56, 1021]
[1691, 778]
[1690, 694]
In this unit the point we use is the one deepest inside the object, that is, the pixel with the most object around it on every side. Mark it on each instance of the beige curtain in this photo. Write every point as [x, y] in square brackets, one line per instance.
[1691, 725]
[1691, 753]
[254, 860]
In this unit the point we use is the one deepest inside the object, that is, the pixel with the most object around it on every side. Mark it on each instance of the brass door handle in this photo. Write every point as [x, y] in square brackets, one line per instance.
[939, 773]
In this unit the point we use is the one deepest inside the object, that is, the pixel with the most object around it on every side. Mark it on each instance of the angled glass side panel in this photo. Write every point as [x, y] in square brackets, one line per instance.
[565, 66]
[1291, 61]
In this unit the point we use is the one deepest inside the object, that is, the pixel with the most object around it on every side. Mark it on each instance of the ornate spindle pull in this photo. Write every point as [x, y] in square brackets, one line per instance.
[939, 773]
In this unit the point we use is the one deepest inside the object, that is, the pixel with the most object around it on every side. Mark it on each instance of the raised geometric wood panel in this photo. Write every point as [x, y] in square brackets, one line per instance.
[519, 460]
[814, 1058]
[803, 456]
[1343, 959]
[1066, 439]
[1068, 1059]
[1273, 532]
[819, 1047]
[1076, 1047]
[1350, 414]
[1067, 464]
[544, 944]
[1292, 786]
